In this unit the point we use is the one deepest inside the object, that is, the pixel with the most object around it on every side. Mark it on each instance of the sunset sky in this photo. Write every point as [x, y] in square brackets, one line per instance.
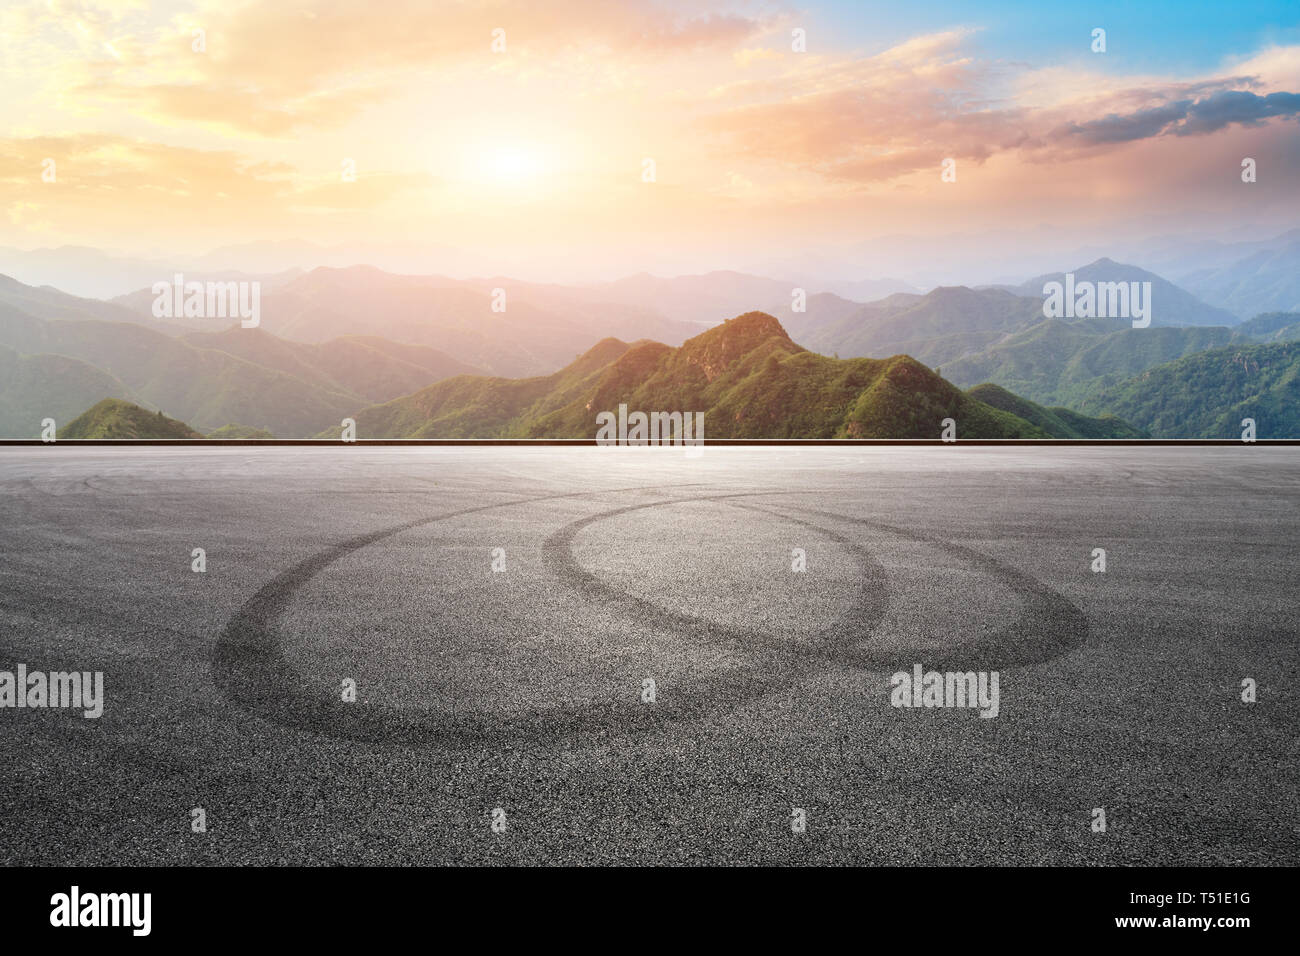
[536, 153]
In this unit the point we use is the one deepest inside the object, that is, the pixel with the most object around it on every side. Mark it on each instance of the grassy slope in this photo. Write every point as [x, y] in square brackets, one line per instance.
[1061, 363]
[1057, 422]
[1208, 394]
[115, 418]
[36, 387]
[239, 431]
[471, 406]
[747, 376]
[1272, 327]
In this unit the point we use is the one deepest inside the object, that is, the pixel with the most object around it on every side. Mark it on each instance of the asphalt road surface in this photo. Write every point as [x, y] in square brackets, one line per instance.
[523, 696]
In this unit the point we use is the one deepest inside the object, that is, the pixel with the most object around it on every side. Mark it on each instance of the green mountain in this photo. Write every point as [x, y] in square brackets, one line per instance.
[1272, 327]
[36, 387]
[1207, 395]
[472, 406]
[114, 418]
[746, 375]
[207, 387]
[239, 431]
[293, 389]
[1069, 363]
[1062, 363]
[1000, 335]
[936, 328]
[1057, 422]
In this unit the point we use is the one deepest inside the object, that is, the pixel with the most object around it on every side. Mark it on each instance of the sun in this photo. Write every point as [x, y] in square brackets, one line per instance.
[505, 165]
[513, 163]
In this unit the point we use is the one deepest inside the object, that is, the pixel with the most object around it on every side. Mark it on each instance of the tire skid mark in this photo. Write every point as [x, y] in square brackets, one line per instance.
[1026, 641]
[249, 670]
[869, 607]
[1053, 627]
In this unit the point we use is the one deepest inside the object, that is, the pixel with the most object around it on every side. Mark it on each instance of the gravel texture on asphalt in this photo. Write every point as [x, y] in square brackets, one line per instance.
[525, 689]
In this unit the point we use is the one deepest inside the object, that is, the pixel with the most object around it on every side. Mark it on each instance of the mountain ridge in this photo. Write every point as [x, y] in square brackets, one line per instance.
[747, 376]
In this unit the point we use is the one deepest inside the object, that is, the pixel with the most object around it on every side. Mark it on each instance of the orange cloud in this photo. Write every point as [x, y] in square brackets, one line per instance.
[267, 69]
[906, 109]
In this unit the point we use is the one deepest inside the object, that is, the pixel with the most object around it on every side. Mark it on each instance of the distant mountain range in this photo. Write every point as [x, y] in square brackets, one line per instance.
[1170, 305]
[748, 378]
[935, 328]
[56, 367]
[337, 342]
[970, 328]
[1243, 276]
[1264, 281]
[457, 317]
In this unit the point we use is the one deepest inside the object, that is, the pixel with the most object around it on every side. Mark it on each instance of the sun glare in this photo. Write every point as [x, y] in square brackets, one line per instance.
[500, 165]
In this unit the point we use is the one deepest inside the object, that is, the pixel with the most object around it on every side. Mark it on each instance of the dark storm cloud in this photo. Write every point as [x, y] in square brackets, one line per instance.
[1186, 117]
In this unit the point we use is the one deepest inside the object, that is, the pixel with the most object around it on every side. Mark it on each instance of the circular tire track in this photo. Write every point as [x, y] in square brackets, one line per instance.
[249, 668]
[1051, 627]
[869, 605]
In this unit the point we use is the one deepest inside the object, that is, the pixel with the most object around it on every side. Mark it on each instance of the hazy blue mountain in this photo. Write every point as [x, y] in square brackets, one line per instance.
[699, 299]
[369, 366]
[1170, 305]
[936, 328]
[821, 309]
[1267, 280]
[454, 316]
[46, 302]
